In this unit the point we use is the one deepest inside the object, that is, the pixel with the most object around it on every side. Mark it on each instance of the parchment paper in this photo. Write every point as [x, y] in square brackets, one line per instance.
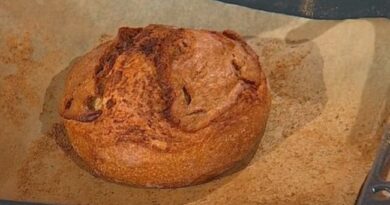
[330, 83]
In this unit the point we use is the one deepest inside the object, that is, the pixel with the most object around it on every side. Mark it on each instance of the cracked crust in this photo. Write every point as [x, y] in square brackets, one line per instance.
[166, 107]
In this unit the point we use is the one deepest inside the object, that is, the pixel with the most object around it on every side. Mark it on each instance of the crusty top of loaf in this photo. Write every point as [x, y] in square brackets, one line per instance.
[166, 107]
[163, 81]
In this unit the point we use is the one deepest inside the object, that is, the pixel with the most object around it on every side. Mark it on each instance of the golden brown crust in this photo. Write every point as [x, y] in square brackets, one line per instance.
[166, 107]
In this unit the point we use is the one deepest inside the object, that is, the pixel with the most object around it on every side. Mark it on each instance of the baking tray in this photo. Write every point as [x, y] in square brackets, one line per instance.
[330, 84]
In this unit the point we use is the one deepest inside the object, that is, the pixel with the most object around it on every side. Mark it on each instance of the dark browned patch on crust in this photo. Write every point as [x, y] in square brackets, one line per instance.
[236, 68]
[127, 34]
[68, 103]
[198, 111]
[187, 96]
[99, 70]
[90, 116]
[110, 103]
[235, 65]
[232, 35]
[251, 83]
[148, 47]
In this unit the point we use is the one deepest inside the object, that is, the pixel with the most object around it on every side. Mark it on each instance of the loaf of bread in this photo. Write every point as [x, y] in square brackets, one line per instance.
[165, 107]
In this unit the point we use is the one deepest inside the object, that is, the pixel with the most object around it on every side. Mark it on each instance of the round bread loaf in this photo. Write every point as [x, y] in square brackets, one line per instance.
[166, 107]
